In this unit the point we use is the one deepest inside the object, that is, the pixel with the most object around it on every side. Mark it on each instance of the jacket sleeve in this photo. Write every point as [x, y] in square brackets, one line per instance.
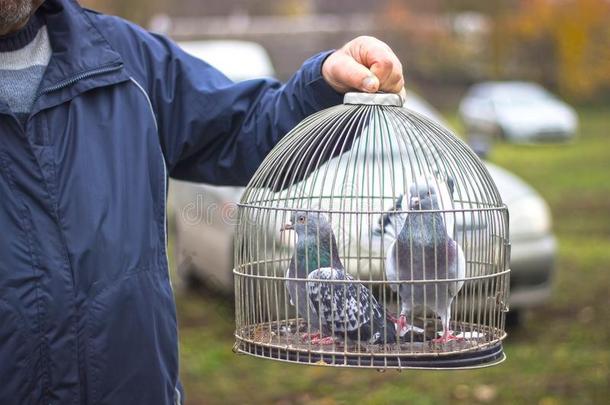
[215, 131]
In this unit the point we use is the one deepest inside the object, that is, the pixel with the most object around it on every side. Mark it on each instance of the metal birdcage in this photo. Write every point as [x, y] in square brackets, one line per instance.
[373, 237]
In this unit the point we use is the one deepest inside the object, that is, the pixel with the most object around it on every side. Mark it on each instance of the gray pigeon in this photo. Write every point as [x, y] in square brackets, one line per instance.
[424, 250]
[301, 264]
[392, 221]
[345, 309]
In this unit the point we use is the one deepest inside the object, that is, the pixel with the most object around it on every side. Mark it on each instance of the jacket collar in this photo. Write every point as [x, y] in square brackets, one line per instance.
[80, 52]
[77, 45]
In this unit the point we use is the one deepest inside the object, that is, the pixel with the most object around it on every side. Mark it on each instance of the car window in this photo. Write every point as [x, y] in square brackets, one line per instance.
[520, 95]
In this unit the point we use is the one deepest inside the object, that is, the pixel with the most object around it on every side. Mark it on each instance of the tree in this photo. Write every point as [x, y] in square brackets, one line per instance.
[567, 40]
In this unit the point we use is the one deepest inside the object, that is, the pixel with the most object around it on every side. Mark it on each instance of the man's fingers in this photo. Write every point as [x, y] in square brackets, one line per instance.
[383, 64]
[379, 61]
[347, 74]
[394, 84]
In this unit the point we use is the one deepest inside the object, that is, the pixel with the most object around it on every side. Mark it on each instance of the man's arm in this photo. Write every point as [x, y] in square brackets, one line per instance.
[216, 131]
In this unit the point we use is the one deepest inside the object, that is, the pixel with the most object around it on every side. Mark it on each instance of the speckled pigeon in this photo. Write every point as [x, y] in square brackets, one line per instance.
[424, 250]
[345, 309]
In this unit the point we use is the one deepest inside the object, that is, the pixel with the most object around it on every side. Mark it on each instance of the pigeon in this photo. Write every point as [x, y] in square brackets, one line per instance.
[343, 309]
[300, 265]
[424, 250]
[392, 221]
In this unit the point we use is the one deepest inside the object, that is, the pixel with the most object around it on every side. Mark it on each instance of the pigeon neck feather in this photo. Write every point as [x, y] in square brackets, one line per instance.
[313, 254]
[427, 228]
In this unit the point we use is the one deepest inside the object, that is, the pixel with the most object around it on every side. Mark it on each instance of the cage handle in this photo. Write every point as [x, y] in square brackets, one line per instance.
[379, 98]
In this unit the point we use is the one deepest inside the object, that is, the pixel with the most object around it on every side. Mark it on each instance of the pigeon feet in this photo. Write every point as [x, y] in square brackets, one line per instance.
[328, 340]
[446, 337]
[401, 325]
[310, 336]
[316, 338]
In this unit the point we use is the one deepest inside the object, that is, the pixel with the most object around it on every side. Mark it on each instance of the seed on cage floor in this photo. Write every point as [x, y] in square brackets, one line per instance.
[372, 237]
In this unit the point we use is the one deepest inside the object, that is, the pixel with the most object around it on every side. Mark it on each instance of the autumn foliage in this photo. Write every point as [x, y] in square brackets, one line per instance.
[563, 43]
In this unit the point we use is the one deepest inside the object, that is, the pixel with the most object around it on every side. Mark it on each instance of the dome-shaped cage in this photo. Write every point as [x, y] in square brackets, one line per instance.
[371, 236]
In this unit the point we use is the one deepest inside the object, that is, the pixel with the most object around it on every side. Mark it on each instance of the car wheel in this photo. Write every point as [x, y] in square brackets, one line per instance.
[500, 133]
[193, 281]
[264, 300]
[186, 275]
[514, 319]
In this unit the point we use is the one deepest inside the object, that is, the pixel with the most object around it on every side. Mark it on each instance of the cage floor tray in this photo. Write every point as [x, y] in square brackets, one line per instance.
[283, 341]
[480, 358]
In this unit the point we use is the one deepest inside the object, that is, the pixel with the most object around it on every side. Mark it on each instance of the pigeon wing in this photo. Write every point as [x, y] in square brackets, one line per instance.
[342, 307]
[457, 266]
[390, 266]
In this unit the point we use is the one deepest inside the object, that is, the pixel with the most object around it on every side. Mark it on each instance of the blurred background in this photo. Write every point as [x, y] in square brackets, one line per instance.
[527, 84]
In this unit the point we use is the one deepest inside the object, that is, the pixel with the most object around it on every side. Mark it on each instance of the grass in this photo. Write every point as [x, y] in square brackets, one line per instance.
[560, 356]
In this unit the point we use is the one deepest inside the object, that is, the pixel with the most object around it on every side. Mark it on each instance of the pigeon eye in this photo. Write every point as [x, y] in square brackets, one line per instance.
[301, 219]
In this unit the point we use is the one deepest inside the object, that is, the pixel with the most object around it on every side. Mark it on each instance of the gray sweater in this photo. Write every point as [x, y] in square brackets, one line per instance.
[24, 56]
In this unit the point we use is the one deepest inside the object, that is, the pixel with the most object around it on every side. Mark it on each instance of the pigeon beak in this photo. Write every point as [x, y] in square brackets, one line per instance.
[415, 202]
[286, 227]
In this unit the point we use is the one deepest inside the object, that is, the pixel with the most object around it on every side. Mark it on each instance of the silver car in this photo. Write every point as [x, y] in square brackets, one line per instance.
[519, 112]
[204, 218]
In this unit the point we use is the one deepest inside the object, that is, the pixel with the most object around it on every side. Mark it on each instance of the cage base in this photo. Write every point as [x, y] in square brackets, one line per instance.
[484, 357]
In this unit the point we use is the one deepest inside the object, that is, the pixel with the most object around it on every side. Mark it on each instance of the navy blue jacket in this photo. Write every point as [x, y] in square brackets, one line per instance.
[86, 307]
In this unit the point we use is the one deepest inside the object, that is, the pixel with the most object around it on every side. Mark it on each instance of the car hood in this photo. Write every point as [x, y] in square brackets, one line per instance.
[536, 115]
[510, 187]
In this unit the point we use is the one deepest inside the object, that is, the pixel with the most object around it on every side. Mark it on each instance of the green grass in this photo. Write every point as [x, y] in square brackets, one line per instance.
[560, 356]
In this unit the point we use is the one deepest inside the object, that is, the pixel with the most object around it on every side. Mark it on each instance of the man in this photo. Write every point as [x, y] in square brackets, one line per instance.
[95, 113]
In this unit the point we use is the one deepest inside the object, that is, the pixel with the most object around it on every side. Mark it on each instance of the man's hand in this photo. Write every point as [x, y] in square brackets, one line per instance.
[364, 64]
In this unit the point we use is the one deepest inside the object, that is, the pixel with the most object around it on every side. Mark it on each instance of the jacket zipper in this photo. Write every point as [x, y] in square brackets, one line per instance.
[80, 76]
[70, 81]
[105, 69]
